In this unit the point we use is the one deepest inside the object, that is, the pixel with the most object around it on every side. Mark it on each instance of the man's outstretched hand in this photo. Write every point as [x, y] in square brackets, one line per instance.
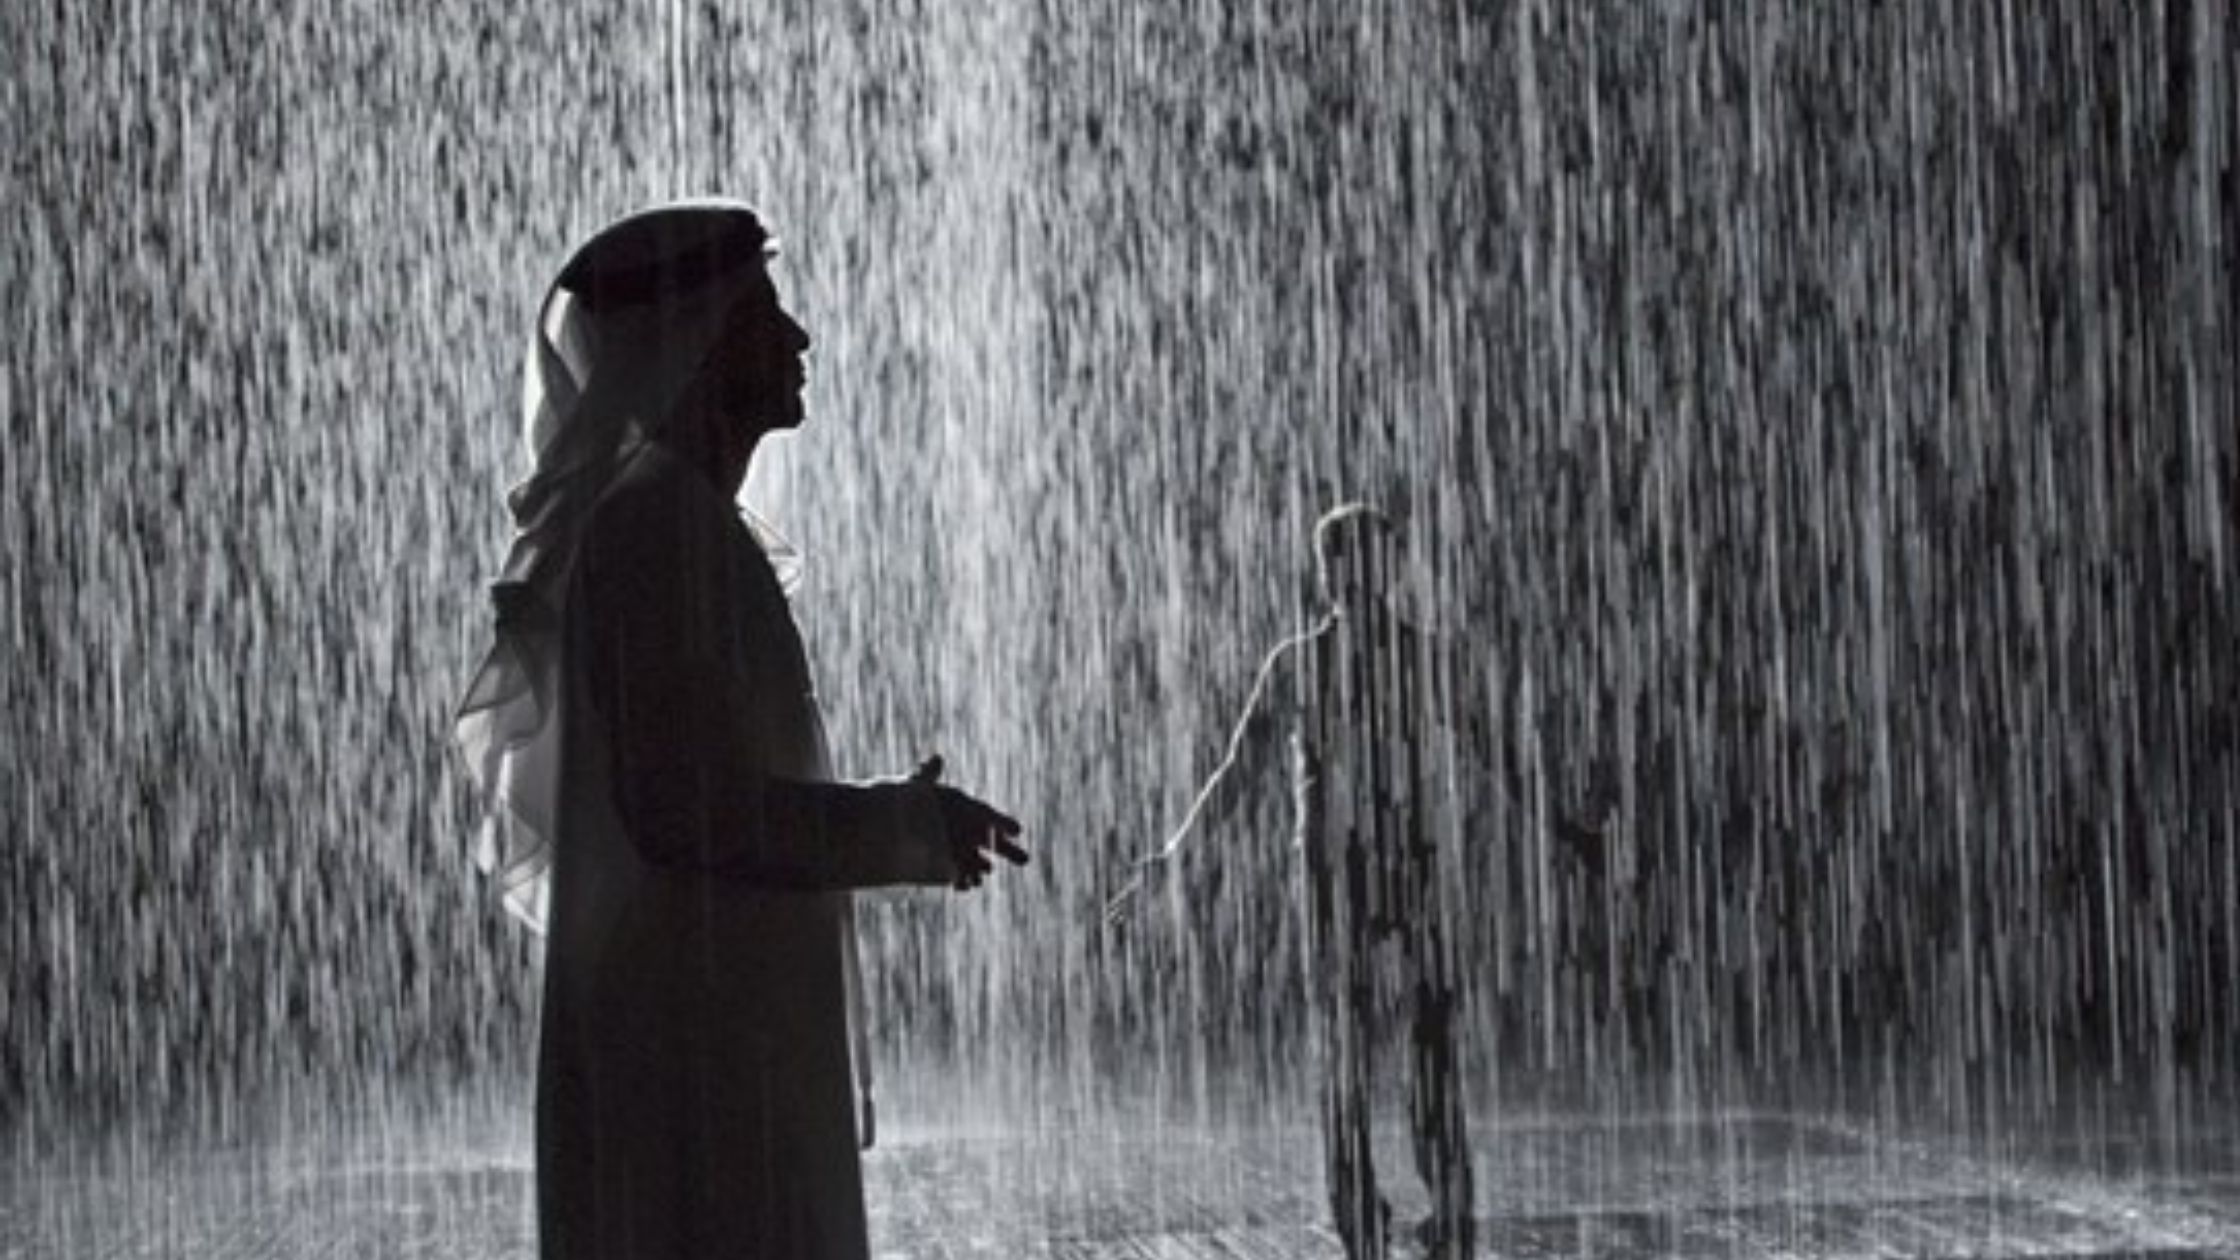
[1121, 906]
[976, 830]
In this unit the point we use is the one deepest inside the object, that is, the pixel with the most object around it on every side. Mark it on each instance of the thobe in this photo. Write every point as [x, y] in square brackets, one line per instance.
[693, 1092]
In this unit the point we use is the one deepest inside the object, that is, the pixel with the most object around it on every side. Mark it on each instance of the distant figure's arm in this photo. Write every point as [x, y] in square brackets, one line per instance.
[1254, 744]
[653, 584]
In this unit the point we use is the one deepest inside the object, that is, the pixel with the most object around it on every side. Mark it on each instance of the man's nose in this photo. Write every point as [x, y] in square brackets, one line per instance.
[797, 337]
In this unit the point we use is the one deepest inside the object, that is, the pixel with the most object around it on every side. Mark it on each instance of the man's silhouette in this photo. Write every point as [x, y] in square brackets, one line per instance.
[659, 797]
[1348, 695]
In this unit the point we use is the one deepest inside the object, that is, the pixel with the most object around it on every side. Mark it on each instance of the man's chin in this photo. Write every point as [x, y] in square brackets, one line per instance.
[775, 412]
[778, 420]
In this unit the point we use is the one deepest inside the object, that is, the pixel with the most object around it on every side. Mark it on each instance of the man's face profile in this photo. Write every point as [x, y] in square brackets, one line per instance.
[754, 374]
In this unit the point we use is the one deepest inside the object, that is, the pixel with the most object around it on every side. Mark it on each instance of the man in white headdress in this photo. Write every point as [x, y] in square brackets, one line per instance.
[659, 798]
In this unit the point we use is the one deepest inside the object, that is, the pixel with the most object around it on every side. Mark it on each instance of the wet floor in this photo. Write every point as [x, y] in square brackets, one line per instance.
[1739, 1184]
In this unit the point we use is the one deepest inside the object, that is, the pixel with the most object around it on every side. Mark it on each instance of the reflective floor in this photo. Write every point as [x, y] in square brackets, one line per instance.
[1743, 1184]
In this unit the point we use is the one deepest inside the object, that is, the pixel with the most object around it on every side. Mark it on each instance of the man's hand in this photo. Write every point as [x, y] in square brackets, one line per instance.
[1122, 905]
[975, 829]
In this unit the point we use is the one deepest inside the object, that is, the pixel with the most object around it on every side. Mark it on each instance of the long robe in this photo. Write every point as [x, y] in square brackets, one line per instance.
[694, 1096]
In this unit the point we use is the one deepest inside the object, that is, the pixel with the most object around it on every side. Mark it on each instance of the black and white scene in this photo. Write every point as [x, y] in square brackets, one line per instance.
[1120, 630]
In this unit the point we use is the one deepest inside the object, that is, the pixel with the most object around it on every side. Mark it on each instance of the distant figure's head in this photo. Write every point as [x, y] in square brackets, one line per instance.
[668, 318]
[1355, 552]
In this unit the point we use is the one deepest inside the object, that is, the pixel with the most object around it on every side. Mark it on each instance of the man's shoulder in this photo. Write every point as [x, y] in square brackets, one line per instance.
[653, 480]
[656, 498]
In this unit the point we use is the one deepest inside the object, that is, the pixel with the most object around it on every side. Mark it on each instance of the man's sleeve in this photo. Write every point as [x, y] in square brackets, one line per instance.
[1256, 745]
[660, 618]
[1255, 748]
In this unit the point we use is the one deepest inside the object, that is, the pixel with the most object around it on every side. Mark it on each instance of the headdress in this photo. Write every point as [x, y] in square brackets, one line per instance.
[619, 333]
